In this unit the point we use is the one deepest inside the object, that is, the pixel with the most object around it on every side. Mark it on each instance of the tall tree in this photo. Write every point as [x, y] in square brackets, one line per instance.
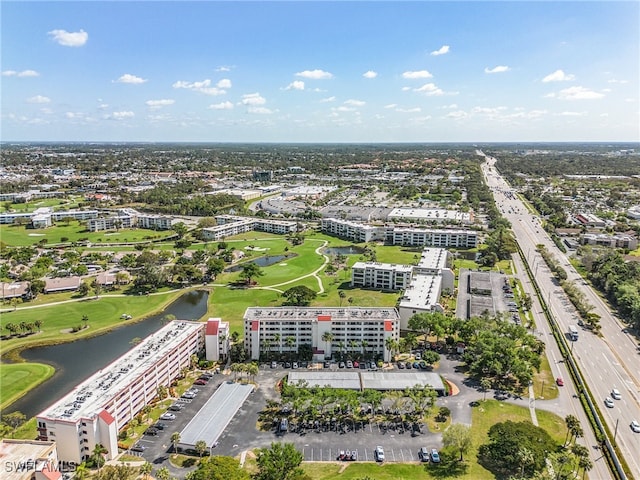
[218, 468]
[175, 440]
[279, 462]
[200, 447]
[457, 436]
[250, 271]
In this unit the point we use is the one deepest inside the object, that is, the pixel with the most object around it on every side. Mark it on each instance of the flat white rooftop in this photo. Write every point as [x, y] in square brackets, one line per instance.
[423, 292]
[433, 258]
[88, 398]
[312, 313]
[430, 214]
[214, 416]
[357, 380]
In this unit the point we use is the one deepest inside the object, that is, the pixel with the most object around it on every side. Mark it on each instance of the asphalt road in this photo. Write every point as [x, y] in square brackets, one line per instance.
[607, 362]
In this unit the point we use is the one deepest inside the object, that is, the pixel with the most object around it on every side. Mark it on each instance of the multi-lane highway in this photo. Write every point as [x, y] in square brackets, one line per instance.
[609, 361]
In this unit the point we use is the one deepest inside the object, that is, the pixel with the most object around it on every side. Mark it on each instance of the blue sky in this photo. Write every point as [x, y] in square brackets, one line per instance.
[320, 71]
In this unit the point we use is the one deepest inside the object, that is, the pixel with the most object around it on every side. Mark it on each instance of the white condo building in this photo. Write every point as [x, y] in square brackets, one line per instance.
[400, 235]
[436, 215]
[383, 276]
[229, 225]
[268, 328]
[432, 276]
[96, 409]
[217, 339]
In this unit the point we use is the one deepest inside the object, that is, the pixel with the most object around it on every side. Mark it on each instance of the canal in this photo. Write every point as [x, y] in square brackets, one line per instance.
[76, 361]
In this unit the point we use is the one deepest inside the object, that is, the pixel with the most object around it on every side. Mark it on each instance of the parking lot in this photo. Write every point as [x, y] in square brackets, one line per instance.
[316, 444]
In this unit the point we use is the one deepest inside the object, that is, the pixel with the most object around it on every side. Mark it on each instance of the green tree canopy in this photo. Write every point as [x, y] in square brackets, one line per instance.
[279, 462]
[299, 296]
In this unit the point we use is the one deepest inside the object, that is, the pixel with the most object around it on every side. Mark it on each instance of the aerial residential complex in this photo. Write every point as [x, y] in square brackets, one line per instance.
[400, 235]
[128, 218]
[96, 409]
[45, 216]
[268, 328]
[228, 225]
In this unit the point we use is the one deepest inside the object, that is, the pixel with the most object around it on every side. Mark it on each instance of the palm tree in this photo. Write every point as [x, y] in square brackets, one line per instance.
[341, 346]
[364, 344]
[81, 472]
[327, 337]
[145, 469]
[485, 384]
[200, 447]
[353, 344]
[276, 338]
[290, 341]
[391, 344]
[38, 324]
[163, 474]
[342, 295]
[85, 319]
[175, 440]
[572, 422]
[98, 455]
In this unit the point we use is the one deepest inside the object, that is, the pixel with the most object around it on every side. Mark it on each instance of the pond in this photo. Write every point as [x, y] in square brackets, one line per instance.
[76, 361]
[348, 250]
[263, 261]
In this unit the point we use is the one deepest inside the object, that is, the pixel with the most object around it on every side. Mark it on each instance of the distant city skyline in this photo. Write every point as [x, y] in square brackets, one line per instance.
[320, 72]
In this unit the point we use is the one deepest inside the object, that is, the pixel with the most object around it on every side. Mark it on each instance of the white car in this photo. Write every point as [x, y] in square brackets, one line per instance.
[615, 394]
[608, 402]
[167, 416]
[635, 426]
[379, 454]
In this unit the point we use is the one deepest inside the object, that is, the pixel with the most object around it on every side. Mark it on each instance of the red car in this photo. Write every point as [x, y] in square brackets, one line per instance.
[559, 382]
[200, 382]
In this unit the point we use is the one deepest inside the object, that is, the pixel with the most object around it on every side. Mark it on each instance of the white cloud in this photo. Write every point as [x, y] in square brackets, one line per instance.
[221, 106]
[370, 74]
[450, 107]
[224, 83]
[121, 115]
[409, 110]
[69, 39]
[391, 105]
[38, 99]
[132, 79]
[456, 115]
[355, 103]
[579, 93]
[253, 99]
[223, 68]
[315, 74]
[406, 89]
[497, 69]
[441, 51]
[260, 110]
[103, 106]
[572, 114]
[613, 80]
[201, 87]
[344, 109]
[417, 74]
[160, 103]
[488, 110]
[295, 85]
[24, 73]
[328, 99]
[429, 89]
[558, 76]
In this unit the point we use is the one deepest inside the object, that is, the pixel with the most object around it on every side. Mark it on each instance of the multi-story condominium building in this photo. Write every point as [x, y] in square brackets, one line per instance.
[45, 216]
[228, 225]
[353, 329]
[74, 214]
[129, 218]
[155, 222]
[358, 232]
[422, 296]
[96, 409]
[382, 276]
[433, 238]
[400, 235]
[437, 215]
[628, 242]
[217, 339]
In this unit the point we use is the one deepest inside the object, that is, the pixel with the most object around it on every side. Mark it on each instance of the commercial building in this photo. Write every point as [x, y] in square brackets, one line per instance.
[589, 220]
[268, 329]
[382, 276]
[628, 242]
[240, 194]
[96, 409]
[31, 460]
[229, 225]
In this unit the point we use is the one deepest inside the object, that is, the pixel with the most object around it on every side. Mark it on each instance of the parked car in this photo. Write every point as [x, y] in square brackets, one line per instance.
[423, 454]
[295, 365]
[379, 453]
[200, 382]
[151, 431]
[401, 365]
[341, 365]
[408, 365]
[349, 364]
[356, 365]
[176, 407]
[137, 448]
[206, 376]
[435, 456]
[189, 395]
[274, 365]
[635, 426]
[326, 364]
[160, 425]
[608, 402]
[167, 416]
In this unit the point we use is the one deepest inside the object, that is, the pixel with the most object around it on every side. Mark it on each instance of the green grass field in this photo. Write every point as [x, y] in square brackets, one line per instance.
[20, 236]
[18, 378]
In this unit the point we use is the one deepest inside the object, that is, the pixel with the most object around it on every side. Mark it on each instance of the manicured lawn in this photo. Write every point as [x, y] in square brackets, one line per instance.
[18, 236]
[231, 303]
[395, 471]
[18, 378]
[103, 313]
